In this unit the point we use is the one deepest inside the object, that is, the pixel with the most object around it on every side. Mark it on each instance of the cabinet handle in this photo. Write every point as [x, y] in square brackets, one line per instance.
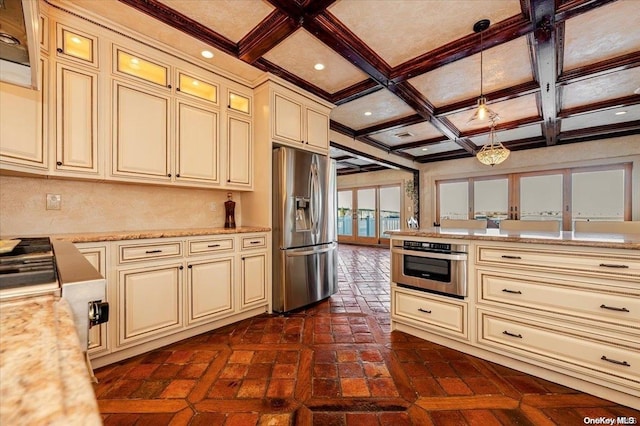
[519, 336]
[612, 265]
[59, 50]
[255, 242]
[153, 251]
[59, 163]
[613, 361]
[506, 290]
[213, 245]
[506, 256]
[613, 308]
[424, 310]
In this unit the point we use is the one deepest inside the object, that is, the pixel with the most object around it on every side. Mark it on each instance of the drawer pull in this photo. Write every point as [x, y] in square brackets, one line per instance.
[613, 308]
[612, 265]
[213, 245]
[153, 251]
[424, 310]
[506, 290]
[519, 336]
[255, 242]
[506, 256]
[613, 361]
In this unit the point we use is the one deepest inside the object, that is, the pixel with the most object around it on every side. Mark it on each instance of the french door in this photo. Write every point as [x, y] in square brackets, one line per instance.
[365, 214]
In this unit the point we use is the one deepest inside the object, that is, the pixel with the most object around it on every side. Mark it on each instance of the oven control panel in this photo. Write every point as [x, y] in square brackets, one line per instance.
[426, 246]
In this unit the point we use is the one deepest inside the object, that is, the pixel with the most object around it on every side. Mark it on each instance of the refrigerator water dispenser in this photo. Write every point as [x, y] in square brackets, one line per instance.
[303, 222]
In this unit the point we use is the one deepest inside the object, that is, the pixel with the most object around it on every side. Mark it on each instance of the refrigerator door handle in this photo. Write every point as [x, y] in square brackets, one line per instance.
[315, 198]
[295, 253]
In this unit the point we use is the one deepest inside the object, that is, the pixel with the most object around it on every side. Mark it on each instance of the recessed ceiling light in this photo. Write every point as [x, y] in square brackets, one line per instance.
[9, 39]
[425, 149]
[207, 54]
[319, 66]
[367, 113]
[621, 112]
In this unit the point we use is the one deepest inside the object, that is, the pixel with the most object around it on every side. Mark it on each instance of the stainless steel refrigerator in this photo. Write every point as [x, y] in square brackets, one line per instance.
[305, 230]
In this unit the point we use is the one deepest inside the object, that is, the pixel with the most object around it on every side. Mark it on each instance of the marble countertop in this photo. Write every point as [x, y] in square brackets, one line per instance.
[92, 237]
[43, 374]
[618, 241]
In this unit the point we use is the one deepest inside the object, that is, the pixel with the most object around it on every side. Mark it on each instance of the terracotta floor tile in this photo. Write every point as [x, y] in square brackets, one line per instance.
[178, 389]
[335, 362]
[252, 388]
[354, 387]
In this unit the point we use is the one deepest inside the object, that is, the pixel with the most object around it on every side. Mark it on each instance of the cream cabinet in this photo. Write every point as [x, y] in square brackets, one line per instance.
[97, 255]
[210, 288]
[197, 143]
[297, 120]
[150, 302]
[239, 151]
[76, 121]
[23, 140]
[254, 279]
[141, 133]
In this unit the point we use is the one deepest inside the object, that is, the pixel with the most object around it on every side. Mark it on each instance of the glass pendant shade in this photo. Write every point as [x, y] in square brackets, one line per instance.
[493, 152]
[482, 113]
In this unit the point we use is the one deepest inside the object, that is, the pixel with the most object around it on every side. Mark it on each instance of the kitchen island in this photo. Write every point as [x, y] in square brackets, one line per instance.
[561, 306]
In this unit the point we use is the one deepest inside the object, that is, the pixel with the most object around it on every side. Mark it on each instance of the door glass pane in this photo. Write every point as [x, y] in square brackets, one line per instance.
[345, 212]
[76, 45]
[491, 200]
[454, 200]
[239, 102]
[541, 197]
[598, 195]
[366, 212]
[199, 88]
[141, 68]
[389, 209]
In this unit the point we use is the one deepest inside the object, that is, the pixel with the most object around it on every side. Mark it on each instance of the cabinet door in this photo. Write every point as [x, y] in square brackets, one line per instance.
[76, 120]
[22, 114]
[287, 124]
[210, 289]
[149, 302]
[197, 143]
[317, 129]
[97, 335]
[140, 133]
[239, 152]
[254, 279]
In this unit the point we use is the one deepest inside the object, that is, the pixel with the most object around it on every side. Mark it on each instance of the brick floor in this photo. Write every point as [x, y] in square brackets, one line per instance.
[334, 363]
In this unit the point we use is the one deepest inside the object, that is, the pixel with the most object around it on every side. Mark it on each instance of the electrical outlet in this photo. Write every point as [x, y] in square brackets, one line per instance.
[54, 201]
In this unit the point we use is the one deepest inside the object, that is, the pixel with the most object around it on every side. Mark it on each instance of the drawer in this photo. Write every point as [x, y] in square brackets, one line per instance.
[438, 314]
[211, 245]
[160, 250]
[597, 356]
[602, 263]
[564, 297]
[253, 242]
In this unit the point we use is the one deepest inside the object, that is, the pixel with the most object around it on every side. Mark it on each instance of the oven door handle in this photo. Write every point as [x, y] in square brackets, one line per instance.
[461, 256]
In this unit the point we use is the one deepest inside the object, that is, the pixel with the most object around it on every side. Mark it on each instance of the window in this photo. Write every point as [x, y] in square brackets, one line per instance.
[389, 209]
[566, 195]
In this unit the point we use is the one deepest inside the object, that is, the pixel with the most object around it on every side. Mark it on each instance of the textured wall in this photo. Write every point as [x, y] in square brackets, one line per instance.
[608, 151]
[99, 206]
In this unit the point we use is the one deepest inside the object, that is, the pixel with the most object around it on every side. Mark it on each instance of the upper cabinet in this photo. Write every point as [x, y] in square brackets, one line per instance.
[297, 120]
[77, 46]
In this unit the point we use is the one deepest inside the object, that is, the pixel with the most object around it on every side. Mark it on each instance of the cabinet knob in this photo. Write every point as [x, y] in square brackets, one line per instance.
[177, 88]
[177, 174]
[168, 86]
[168, 174]
[59, 163]
[59, 50]
[190, 266]
[181, 267]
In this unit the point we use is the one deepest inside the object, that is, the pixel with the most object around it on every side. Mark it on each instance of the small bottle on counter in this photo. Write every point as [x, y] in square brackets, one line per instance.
[229, 212]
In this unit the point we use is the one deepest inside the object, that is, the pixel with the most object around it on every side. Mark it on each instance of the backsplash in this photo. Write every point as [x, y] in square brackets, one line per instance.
[103, 206]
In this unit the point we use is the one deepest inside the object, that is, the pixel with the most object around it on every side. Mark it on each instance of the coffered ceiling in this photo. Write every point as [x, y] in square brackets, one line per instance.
[405, 74]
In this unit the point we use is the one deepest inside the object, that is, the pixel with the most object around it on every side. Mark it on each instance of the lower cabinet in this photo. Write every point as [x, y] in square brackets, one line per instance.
[210, 285]
[166, 289]
[98, 335]
[149, 302]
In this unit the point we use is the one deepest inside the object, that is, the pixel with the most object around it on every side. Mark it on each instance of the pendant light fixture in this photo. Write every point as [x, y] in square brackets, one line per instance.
[493, 152]
[482, 113]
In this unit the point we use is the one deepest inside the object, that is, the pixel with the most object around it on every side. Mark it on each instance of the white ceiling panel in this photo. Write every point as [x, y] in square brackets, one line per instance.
[510, 135]
[383, 106]
[602, 118]
[406, 134]
[434, 149]
[601, 88]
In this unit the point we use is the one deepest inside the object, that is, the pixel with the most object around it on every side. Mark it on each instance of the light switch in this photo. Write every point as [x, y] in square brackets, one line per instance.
[54, 201]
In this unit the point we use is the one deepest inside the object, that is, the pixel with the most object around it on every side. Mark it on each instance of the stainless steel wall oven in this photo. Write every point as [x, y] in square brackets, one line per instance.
[434, 267]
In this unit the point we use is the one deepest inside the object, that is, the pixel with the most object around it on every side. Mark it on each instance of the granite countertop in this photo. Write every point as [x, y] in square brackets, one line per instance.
[92, 237]
[43, 374]
[618, 241]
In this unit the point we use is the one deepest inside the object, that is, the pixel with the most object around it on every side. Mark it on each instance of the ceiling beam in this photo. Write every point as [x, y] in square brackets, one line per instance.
[272, 30]
[600, 106]
[545, 47]
[620, 63]
[391, 124]
[492, 97]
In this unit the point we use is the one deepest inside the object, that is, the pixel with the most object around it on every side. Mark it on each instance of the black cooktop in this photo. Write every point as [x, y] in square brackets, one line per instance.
[31, 262]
